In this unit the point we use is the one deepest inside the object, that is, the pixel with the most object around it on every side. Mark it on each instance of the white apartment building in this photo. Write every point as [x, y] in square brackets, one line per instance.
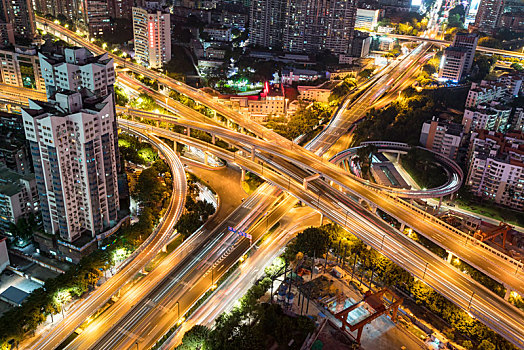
[21, 68]
[74, 152]
[152, 33]
[485, 92]
[493, 116]
[75, 69]
[496, 167]
[18, 198]
[513, 82]
[367, 19]
[444, 138]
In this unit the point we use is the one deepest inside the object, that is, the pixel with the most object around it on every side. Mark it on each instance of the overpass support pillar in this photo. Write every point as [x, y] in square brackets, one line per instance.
[164, 248]
[206, 159]
[213, 139]
[508, 293]
[402, 227]
[188, 131]
[242, 175]
[450, 257]
[439, 204]
[398, 157]
[253, 153]
[321, 219]
[374, 209]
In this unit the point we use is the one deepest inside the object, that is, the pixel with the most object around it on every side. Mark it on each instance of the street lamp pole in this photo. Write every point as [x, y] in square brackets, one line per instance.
[425, 269]
[470, 300]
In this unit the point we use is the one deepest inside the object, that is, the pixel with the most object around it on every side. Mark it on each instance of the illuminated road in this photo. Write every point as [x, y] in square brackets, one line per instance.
[443, 277]
[354, 111]
[236, 285]
[134, 263]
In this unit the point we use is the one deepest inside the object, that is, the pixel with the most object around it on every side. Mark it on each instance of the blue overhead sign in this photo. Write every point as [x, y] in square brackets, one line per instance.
[240, 233]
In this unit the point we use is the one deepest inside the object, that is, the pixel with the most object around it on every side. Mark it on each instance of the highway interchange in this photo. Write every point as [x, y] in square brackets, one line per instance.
[282, 163]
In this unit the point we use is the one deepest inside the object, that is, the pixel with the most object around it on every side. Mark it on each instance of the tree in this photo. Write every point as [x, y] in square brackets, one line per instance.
[488, 41]
[195, 338]
[486, 345]
[366, 73]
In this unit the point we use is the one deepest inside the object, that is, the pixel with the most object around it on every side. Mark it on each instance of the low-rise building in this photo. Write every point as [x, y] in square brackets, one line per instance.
[513, 82]
[496, 167]
[367, 19]
[442, 137]
[218, 33]
[319, 93]
[18, 198]
[294, 75]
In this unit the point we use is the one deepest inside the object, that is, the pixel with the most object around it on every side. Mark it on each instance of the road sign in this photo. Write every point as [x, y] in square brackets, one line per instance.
[240, 233]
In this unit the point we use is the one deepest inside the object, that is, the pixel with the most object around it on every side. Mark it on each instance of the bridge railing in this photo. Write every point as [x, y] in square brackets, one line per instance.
[518, 264]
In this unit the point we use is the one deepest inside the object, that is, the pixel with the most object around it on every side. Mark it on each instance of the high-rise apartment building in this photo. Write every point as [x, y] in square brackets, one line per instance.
[496, 167]
[489, 15]
[75, 69]
[152, 33]
[468, 41]
[266, 22]
[95, 17]
[21, 16]
[453, 64]
[303, 25]
[457, 60]
[73, 143]
[67, 8]
[316, 25]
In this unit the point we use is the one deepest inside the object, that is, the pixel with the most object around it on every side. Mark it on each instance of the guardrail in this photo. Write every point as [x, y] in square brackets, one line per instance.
[450, 187]
[518, 264]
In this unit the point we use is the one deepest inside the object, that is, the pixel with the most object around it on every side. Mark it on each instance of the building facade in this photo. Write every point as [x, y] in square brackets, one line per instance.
[366, 19]
[21, 68]
[20, 14]
[489, 15]
[77, 68]
[453, 64]
[152, 33]
[74, 146]
[266, 23]
[496, 167]
[18, 198]
[317, 25]
[303, 25]
[444, 138]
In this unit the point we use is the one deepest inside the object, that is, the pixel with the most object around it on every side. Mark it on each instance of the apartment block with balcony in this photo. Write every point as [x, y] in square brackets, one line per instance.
[496, 167]
[443, 137]
[490, 116]
[18, 198]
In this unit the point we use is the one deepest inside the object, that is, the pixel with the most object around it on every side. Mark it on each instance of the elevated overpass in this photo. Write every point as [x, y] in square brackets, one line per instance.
[439, 42]
[454, 172]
